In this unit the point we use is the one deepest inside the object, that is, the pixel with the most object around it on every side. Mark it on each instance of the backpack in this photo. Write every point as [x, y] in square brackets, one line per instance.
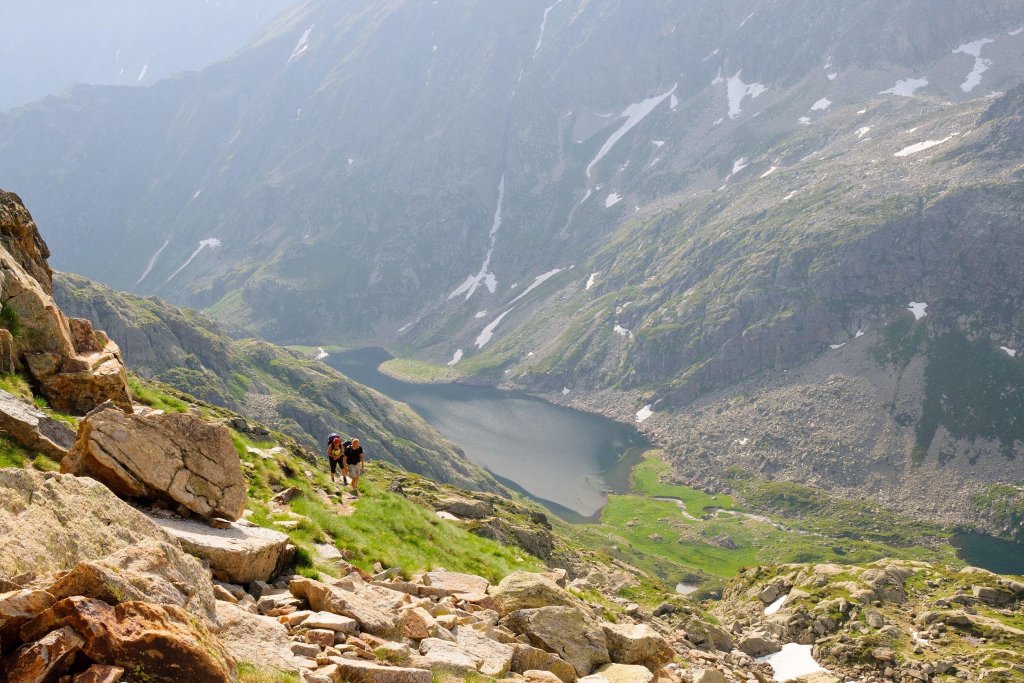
[331, 437]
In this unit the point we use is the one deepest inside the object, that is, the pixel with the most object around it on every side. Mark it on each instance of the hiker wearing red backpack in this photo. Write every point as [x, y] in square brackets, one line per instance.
[335, 453]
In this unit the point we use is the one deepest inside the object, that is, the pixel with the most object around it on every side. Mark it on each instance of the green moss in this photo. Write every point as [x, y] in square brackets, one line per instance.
[155, 396]
[14, 383]
[9, 320]
[256, 673]
[12, 455]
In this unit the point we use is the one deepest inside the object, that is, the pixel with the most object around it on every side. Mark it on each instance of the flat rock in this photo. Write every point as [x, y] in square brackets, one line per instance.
[255, 638]
[358, 671]
[527, 657]
[443, 583]
[447, 655]
[99, 673]
[496, 658]
[620, 673]
[178, 458]
[331, 622]
[239, 554]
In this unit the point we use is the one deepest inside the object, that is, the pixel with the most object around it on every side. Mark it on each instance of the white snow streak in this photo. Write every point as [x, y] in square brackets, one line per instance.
[544, 25]
[613, 199]
[921, 146]
[592, 279]
[737, 90]
[771, 170]
[488, 332]
[622, 331]
[644, 413]
[634, 114]
[906, 88]
[142, 74]
[566, 391]
[774, 607]
[152, 261]
[485, 277]
[861, 132]
[981, 64]
[480, 314]
[321, 354]
[456, 357]
[836, 346]
[211, 242]
[739, 165]
[822, 104]
[1016, 32]
[537, 282]
[301, 46]
[1012, 353]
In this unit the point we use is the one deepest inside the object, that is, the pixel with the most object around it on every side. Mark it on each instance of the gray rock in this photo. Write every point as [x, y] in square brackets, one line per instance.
[569, 631]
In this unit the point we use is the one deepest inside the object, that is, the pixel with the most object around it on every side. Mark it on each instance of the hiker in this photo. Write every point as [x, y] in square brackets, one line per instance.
[353, 466]
[335, 451]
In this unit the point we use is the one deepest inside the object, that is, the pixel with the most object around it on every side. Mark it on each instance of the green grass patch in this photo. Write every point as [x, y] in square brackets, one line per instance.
[9, 320]
[147, 392]
[12, 455]
[418, 372]
[398, 533]
[255, 673]
[647, 480]
[14, 383]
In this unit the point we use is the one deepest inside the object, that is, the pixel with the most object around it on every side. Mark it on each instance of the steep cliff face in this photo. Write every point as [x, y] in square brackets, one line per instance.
[302, 397]
[74, 367]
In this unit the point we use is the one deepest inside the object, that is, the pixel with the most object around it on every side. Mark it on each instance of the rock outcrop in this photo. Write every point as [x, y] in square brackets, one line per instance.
[75, 367]
[177, 458]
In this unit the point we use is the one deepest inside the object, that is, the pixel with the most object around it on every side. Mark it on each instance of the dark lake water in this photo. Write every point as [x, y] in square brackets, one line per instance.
[990, 553]
[563, 458]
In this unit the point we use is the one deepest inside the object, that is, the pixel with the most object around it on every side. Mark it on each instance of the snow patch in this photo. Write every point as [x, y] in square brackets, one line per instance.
[918, 309]
[321, 354]
[537, 282]
[644, 413]
[749, 17]
[238, 134]
[673, 103]
[1012, 353]
[196, 193]
[822, 104]
[152, 261]
[592, 279]
[456, 357]
[710, 55]
[775, 606]
[906, 88]
[981, 64]
[804, 120]
[791, 662]
[480, 314]
[543, 26]
[860, 333]
[566, 391]
[612, 199]
[836, 346]
[622, 331]
[657, 143]
[211, 242]
[488, 332]
[634, 114]
[832, 76]
[739, 165]
[142, 74]
[301, 46]
[1016, 32]
[861, 132]
[921, 146]
[484, 277]
[737, 90]
[771, 170]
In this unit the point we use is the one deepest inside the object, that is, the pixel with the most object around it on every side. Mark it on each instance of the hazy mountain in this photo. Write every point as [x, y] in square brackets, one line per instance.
[48, 45]
[637, 203]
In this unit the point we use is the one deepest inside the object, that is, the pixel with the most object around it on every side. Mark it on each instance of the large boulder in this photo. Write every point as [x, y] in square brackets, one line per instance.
[358, 671]
[570, 632]
[178, 458]
[442, 583]
[50, 522]
[255, 638]
[637, 644]
[75, 368]
[525, 590]
[241, 553]
[162, 641]
[34, 429]
[620, 673]
[45, 659]
[529, 658]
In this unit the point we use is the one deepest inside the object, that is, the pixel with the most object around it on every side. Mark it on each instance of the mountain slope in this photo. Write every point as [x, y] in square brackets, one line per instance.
[301, 397]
